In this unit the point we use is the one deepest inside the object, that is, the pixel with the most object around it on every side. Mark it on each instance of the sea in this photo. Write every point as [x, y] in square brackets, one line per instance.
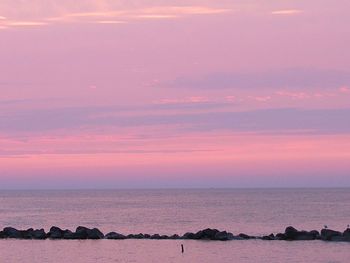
[175, 211]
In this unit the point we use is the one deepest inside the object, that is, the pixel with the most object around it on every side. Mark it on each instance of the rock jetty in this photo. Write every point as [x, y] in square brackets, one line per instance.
[81, 232]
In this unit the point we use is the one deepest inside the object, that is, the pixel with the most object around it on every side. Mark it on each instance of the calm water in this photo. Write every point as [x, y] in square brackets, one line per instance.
[176, 211]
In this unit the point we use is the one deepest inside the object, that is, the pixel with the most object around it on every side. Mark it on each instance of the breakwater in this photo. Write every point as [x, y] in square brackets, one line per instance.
[290, 234]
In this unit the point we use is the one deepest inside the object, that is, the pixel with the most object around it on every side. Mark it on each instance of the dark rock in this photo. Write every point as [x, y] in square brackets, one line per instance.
[139, 236]
[38, 234]
[198, 235]
[164, 237]
[223, 236]
[281, 236]
[155, 236]
[174, 237]
[2, 235]
[244, 236]
[330, 235]
[95, 233]
[316, 234]
[293, 234]
[114, 235]
[87, 233]
[304, 235]
[346, 235]
[188, 235]
[206, 234]
[210, 233]
[11, 232]
[67, 234]
[55, 233]
[130, 236]
[147, 236]
[269, 237]
[26, 234]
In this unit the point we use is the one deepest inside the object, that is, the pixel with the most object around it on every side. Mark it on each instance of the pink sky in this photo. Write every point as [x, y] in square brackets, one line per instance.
[195, 93]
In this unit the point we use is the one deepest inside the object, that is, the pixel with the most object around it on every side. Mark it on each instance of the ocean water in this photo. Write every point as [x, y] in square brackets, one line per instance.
[250, 211]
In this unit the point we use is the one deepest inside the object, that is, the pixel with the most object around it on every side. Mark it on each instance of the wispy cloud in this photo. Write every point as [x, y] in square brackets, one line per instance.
[25, 23]
[110, 22]
[321, 121]
[193, 99]
[287, 12]
[117, 16]
[344, 89]
[295, 78]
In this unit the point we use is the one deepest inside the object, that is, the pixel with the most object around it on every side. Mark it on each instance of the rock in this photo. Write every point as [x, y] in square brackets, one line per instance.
[26, 234]
[147, 236]
[304, 235]
[87, 233]
[331, 235]
[316, 234]
[67, 234]
[210, 233]
[155, 236]
[139, 236]
[346, 235]
[55, 233]
[11, 232]
[188, 235]
[293, 234]
[281, 236]
[95, 233]
[114, 235]
[198, 235]
[269, 237]
[164, 237]
[244, 236]
[175, 236]
[206, 234]
[38, 234]
[223, 236]
[2, 235]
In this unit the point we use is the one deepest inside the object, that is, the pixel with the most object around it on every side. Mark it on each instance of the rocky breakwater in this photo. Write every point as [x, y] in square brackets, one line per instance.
[290, 234]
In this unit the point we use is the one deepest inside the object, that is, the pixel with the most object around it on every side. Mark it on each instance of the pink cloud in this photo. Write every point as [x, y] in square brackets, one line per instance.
[344, 89]
[192, 99]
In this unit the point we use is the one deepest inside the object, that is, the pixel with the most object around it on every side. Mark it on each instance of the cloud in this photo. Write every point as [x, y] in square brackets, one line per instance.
[110, 22]
[287, 12]
[193, 99]
[344, 89]
[25, 23]
[110, 15]
[276, 120]
[160, 12]
[261, 98]
[275, 79]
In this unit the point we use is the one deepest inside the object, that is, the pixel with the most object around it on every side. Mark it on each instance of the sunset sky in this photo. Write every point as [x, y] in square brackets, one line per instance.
[195, 93]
